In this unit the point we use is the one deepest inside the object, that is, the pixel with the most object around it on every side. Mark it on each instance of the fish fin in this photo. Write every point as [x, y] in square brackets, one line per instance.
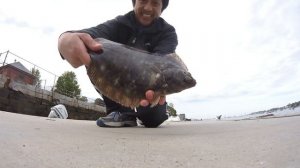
[175, 57]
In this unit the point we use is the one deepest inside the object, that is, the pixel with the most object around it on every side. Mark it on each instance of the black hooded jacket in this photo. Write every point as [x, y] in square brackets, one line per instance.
[160, 37]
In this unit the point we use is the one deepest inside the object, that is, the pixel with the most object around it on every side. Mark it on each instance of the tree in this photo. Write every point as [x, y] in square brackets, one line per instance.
[293, 105]
[171, 109]
[67, 85]
[37, 81]
[99, 101]
[83, 98]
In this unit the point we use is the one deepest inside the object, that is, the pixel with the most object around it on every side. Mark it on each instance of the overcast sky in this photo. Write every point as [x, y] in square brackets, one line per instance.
[245, 55]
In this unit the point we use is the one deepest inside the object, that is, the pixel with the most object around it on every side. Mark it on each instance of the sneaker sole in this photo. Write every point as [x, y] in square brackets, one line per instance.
[100, 123]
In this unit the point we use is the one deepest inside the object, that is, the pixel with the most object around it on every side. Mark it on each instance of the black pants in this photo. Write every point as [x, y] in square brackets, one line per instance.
[150, 116]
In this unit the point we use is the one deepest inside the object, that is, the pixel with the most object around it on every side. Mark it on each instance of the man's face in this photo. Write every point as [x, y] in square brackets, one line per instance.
[147, 10]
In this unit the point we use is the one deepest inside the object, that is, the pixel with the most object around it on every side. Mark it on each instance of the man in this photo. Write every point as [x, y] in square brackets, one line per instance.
[142, 28]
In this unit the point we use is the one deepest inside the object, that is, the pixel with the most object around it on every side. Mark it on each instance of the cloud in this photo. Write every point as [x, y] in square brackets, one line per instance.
[15, 22]
[275, 21]
[281, 79]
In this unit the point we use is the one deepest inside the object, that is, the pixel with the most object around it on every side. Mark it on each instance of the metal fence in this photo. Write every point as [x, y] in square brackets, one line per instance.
[46, 90]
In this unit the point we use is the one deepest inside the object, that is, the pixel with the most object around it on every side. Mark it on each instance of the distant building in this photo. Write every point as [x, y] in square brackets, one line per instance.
[17, 72]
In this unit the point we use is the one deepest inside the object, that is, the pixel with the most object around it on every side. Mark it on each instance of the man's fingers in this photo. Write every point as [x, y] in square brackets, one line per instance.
[85, 58]
[90, 43]
[150, 99]
[149, 95]
[162, 100]
[144, 102]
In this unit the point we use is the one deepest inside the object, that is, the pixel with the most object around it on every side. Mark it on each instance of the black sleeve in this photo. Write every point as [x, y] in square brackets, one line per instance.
[108, 30]
[167, 42]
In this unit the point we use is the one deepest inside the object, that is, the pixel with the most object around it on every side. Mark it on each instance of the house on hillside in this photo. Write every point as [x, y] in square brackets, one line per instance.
[17, 72]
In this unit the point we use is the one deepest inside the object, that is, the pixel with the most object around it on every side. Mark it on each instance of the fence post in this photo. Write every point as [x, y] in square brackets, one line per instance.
[5, 57]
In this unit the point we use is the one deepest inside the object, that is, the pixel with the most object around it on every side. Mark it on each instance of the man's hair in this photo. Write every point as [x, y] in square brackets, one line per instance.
[165, 4]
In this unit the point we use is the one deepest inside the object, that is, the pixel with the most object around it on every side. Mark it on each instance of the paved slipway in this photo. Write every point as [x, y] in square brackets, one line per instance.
[31, 141]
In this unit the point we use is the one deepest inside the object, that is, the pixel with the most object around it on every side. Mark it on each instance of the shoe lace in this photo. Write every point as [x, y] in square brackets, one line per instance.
[116, 115]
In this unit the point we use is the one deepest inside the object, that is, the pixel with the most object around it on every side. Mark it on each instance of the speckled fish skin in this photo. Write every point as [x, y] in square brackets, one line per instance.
[124, 74]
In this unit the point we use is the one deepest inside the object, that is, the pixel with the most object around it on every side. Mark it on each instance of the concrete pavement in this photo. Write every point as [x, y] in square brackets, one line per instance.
[31, 141]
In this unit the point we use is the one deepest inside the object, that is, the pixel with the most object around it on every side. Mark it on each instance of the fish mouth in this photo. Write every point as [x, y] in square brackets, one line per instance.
[188, 79]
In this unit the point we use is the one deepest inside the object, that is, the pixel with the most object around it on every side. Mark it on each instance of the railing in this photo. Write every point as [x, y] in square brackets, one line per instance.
[50, 95]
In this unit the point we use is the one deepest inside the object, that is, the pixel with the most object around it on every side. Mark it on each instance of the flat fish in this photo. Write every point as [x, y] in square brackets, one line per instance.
[123, 73]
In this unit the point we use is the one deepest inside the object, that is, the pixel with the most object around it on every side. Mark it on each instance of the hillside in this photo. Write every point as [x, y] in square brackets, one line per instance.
[289, 107]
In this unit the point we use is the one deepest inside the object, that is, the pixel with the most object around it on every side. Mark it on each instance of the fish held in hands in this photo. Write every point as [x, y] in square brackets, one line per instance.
[124, 74]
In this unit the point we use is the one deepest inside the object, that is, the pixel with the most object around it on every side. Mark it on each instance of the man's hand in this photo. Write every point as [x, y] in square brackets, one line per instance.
[73, 47]
[151, 99]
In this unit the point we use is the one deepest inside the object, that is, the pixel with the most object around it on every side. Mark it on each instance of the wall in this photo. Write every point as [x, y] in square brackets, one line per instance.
[26, 99]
